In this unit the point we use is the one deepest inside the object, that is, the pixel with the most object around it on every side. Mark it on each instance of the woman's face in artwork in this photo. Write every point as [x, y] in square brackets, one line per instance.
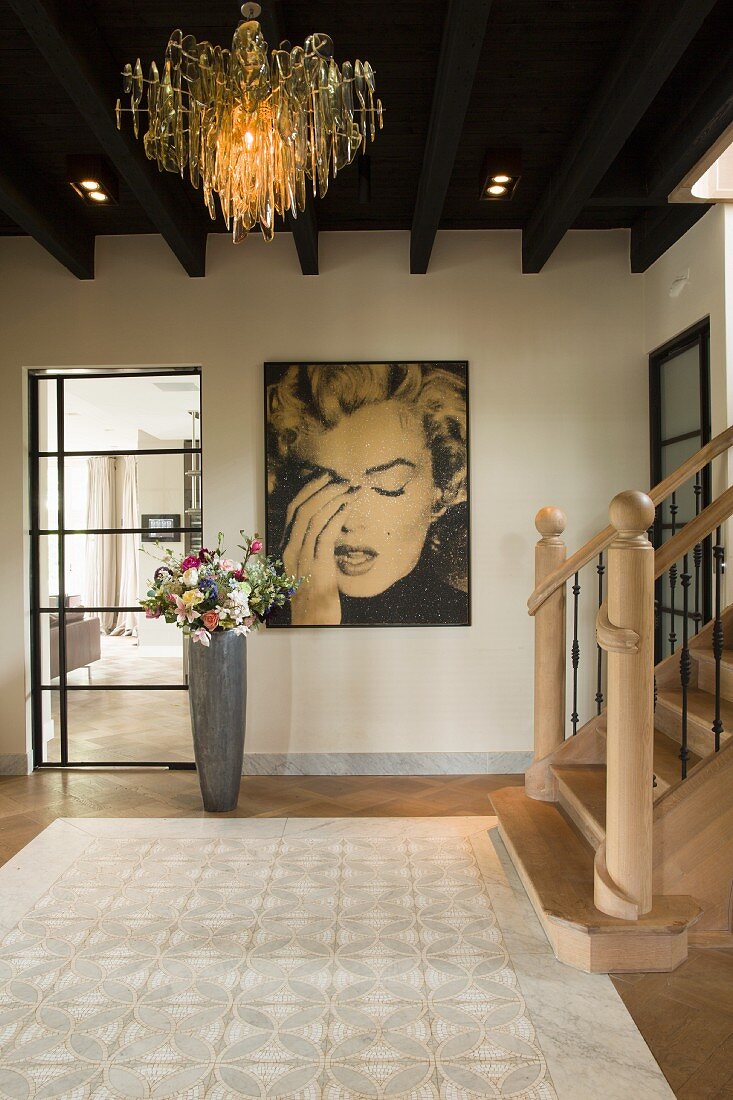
[381, 453]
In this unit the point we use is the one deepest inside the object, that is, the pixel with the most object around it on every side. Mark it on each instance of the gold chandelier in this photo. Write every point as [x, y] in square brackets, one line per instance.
[250, 128]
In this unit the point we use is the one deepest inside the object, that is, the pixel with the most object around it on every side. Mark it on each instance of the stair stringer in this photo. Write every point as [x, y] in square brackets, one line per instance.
[693, 840]
[587, 747]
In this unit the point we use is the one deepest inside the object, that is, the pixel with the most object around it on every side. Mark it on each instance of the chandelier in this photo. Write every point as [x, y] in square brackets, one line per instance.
[250, 128]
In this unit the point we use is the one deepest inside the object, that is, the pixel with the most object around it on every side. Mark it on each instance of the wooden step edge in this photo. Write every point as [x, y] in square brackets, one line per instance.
[580, 935]
[706, 656]
[586, 807]
[710, 941]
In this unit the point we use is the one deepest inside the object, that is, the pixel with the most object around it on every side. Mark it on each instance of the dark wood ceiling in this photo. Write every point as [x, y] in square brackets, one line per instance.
[608, 100]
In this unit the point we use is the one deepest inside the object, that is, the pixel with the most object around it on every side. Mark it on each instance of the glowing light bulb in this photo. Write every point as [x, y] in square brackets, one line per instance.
[98, 196]
[249, 138]
[496, 189]
[90, 185]
[500, 179]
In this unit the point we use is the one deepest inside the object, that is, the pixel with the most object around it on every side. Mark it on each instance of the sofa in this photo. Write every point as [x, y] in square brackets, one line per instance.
[83, 641]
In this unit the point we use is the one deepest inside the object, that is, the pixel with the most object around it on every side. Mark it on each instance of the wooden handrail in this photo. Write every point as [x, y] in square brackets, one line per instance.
[693, 532]
[659, 493]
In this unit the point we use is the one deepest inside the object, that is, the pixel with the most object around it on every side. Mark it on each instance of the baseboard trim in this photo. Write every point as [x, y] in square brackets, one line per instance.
[18, 763]
[386, 763]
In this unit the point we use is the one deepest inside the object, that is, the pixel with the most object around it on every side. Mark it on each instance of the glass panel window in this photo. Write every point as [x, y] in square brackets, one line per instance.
[47, 424]
[145, 412]
[129, 726]
[160, 492]
[680, 394]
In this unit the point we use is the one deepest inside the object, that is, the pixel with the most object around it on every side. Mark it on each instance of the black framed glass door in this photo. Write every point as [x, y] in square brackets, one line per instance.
[680, 415]
[115, 465]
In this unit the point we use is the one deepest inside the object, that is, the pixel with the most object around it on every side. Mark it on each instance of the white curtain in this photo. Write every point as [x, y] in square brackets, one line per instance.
[111, 574]
[100, 580]
[128, 552]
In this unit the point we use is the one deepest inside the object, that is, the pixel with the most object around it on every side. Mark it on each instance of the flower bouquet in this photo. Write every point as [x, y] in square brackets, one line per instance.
[207, 592]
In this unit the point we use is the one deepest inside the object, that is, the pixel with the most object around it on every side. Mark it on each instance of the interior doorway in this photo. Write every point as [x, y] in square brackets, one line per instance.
[680, 414]
[115, 467]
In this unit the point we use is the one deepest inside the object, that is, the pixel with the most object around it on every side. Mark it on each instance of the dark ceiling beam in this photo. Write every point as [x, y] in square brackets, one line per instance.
[49, 218]
[90, 76]
[463, 38]
[675, 151]
[305, 227]
[656, 231]
[658, 36]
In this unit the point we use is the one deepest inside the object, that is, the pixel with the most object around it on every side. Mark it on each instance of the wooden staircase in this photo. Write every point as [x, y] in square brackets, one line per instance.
[556, 831]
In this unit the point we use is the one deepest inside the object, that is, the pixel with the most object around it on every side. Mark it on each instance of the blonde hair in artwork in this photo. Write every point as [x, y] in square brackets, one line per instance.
[316, 396]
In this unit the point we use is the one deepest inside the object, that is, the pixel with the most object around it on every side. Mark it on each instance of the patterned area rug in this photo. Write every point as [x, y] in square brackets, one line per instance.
[360, 959]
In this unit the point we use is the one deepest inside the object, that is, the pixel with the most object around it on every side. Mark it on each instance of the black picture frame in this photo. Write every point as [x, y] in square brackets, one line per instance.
[273, 372]
[161, 527]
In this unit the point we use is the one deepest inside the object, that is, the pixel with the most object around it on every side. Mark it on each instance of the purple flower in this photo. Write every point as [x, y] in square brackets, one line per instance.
[209, 587]
[162, 574]
[204, 556]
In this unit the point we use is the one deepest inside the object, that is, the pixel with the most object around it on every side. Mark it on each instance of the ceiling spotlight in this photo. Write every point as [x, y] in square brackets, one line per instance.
[500, 174]
[93, 179]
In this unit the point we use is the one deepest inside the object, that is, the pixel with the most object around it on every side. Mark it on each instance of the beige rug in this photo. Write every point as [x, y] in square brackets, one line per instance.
[289, 959]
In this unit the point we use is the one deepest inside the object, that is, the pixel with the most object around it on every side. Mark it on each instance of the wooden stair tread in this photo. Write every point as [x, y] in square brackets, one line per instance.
[558, 866]
[583, 788]
[705, 654]
[700, 707]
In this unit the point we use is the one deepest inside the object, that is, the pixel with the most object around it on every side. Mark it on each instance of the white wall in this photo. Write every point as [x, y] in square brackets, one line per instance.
[558, 380]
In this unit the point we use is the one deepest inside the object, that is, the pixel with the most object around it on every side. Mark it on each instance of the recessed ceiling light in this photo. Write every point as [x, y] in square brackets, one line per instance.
[93, 178]
[500, 174]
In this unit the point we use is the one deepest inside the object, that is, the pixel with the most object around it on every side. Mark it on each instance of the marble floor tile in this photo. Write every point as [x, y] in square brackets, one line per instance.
[308, 959]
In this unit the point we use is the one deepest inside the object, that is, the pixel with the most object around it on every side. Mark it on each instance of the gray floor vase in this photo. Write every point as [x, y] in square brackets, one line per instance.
[218, 699]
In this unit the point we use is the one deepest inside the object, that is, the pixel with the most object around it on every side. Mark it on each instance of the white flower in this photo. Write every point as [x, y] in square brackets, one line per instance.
[243, 630]
[191, 578]
[240, 603]
[222, 612]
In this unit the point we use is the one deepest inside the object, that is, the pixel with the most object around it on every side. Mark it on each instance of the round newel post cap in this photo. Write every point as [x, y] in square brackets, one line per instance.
[550, 522]
[631, 513]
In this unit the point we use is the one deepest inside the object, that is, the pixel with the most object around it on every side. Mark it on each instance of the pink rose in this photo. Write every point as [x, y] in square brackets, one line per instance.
[256, 546]
[210, 619]
[191, 562]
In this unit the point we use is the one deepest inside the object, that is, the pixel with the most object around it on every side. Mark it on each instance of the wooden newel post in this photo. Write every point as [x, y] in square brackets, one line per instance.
[549, 638]
[623, 867]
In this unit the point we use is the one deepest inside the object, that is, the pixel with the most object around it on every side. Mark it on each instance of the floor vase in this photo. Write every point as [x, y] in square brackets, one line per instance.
[218, 699]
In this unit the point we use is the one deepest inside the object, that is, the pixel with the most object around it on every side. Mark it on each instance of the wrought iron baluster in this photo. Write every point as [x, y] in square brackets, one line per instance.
[600, 569]
[673, 509]
[575, 654]
[719, 560]
[685, 660]
[697, 557]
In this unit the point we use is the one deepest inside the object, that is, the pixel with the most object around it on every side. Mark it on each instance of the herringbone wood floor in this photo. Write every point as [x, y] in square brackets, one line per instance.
[685, 1017]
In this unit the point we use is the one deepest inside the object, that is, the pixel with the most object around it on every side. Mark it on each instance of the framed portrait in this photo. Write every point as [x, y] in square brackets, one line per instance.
[368, 491]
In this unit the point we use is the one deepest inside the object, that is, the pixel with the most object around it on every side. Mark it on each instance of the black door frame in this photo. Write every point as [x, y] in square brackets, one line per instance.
[36, 456]
[698, 335]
